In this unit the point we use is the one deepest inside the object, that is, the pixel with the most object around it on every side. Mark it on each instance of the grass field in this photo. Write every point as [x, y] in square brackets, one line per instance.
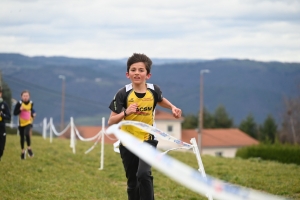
[56, 173]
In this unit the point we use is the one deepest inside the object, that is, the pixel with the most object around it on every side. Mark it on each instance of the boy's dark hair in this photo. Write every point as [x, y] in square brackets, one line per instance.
[139, 57]
[0, 89]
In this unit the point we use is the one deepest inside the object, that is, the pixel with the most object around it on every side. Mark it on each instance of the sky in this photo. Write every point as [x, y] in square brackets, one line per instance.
[262, 30]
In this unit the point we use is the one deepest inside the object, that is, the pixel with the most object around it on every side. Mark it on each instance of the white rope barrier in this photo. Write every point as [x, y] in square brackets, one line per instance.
[11, 125]
[184, 174]
[101, 135]
[17, 125]
[72, 136]
[109, 137]
[45, 128]
[102, 145]
[86, 139]
[50, 128]
[73, 133]
[62, 132]
[94, 145]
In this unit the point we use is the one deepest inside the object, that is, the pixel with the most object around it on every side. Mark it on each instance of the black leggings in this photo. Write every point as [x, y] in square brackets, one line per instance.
[138, 174]
[2, 139]
[24, 133]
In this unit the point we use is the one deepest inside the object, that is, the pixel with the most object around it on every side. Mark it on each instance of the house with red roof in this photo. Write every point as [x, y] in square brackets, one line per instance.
[220, 142]
[216, 142]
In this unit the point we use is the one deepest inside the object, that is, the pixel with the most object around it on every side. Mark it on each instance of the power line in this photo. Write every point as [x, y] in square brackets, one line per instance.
[44, 89]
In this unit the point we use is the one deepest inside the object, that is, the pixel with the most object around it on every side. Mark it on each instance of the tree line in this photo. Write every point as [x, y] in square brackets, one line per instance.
[267, 132]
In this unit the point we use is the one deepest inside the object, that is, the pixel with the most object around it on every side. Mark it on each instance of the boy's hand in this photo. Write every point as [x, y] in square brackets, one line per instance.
[176, 112]
[132, 108]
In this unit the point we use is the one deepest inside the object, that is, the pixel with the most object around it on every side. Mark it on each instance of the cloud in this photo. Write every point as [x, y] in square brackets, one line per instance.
[263, 30]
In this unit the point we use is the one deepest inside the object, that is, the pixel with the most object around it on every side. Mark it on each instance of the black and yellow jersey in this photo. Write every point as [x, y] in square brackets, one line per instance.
[145, 111]
[4, 113]
[25, 117]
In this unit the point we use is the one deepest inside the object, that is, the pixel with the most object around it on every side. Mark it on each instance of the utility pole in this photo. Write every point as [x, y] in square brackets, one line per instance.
[200, 127]
[1, 79]
[62, 101]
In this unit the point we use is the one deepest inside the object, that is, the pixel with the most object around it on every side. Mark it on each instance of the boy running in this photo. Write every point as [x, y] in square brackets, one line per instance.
[137, 101]
[4, 115]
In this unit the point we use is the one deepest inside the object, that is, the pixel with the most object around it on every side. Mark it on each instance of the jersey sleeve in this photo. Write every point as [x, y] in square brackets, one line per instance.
[159, 93]
[118, 102]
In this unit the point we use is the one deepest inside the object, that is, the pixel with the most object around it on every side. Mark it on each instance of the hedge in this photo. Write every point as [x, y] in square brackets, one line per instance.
[284, 153]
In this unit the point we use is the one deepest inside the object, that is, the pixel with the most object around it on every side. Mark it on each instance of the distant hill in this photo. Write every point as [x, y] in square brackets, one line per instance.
[242, 86]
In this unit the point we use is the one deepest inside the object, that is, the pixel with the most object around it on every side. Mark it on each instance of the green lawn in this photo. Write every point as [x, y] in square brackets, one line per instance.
[56, 173]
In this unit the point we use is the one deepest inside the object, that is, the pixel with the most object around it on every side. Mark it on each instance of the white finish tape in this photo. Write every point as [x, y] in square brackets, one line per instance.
[154, 131]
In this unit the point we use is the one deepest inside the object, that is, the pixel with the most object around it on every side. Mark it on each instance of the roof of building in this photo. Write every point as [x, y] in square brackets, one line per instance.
[231, 137]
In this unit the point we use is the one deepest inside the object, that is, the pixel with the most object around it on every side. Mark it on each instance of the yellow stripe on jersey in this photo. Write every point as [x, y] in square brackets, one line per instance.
[144, 114]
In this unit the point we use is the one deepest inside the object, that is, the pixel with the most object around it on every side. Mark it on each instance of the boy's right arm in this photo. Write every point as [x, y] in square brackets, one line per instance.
[115, 118]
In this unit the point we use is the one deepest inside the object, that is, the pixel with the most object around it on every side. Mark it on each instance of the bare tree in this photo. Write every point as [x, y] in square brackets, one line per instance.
[290, 132]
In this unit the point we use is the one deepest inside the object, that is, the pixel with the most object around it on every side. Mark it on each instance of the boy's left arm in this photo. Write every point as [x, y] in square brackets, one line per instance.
[167, 104]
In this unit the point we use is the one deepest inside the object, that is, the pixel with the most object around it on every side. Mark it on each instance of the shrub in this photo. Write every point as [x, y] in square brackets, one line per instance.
[282, 153]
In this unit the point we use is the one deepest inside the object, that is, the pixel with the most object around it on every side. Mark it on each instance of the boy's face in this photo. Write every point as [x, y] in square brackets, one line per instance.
[25, 96]
[138, 73]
